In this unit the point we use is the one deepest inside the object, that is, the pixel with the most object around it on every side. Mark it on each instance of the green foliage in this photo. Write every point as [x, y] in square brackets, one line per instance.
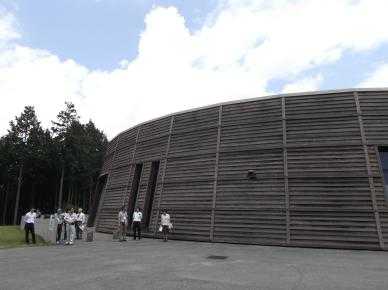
[65, 119]
[70, 147]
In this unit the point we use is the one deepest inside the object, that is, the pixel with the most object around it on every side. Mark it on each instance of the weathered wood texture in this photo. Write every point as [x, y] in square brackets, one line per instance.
[317, 180]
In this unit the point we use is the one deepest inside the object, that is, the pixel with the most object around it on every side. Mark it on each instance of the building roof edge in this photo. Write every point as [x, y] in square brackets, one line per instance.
[267, 97]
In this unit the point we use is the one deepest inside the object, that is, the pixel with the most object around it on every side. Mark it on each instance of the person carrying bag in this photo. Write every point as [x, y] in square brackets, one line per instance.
[165, 225]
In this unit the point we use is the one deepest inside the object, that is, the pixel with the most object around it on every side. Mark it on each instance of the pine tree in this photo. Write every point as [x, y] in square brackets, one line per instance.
[21, 133]
[65, 119]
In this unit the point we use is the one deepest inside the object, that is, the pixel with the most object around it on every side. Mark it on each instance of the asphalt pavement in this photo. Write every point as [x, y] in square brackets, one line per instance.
[153, 264]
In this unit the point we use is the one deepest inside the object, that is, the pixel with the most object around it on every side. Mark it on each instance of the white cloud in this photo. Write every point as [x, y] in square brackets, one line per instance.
[379, 78]
[36, 77]
[304, 85]
[239, 49]
[8, 29]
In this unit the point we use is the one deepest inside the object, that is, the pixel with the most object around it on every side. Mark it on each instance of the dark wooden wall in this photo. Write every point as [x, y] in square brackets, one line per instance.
[318, 181]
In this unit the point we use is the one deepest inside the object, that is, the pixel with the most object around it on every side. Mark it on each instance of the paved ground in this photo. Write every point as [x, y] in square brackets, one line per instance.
[152, 264]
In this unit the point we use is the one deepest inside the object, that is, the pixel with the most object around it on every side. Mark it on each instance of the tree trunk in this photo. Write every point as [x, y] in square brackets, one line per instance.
[85, 195]
[54, 199]
[90, 203]
[15, 215]
[69, 195]
[2, 198]
[61, 187]
[32, 200]
[74, 197]
[5, 204]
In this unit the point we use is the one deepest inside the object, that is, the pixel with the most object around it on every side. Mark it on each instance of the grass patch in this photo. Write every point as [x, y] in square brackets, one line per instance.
[13, 236]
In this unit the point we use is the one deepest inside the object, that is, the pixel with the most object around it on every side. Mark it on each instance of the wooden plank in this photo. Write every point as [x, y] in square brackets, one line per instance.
[380, 173]
[132, 166]
[216, 174]
[369, 170]
[285, 166]
[163, 174]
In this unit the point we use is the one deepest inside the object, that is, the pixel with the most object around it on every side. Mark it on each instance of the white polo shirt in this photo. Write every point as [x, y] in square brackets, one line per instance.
[81, 217]
[137, 216]
[123, 216]
[70, 217]
[165, 219]
[30, 217]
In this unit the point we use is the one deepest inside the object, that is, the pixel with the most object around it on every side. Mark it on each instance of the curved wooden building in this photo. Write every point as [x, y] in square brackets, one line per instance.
[292, 170]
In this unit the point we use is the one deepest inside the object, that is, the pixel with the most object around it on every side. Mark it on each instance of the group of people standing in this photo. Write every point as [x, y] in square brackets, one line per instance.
[123, 224]
[71, 224]
[165, 224]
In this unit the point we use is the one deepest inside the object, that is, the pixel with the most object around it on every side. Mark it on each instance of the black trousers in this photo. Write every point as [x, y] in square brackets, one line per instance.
[29, 228]
[64, 231]
[78, 231]
[165, 231]
[59, 232]
[136, 228]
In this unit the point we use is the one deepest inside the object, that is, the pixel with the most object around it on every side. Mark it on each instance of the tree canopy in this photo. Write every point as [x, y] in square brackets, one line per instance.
[47, 168]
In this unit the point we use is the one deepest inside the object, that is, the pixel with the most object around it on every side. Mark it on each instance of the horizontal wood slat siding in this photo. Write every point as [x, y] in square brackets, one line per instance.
[160, 185]
[104, 220]
[256, 226]
[317, 181]
[145, 175]
[251, 125]
[326, 161]
[374, 108]
[372, 189]
[188, 181]
[116, 187]
[107, 164]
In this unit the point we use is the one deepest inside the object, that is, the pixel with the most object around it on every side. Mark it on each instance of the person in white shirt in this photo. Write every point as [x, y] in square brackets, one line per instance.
[165, 224]
[79, 223]
[29, 225]
[59, 221]
[123, 224]
[137, 217]
[70, 219]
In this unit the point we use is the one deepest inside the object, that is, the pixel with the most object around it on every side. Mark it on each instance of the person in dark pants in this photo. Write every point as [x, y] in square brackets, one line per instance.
[165, 224]
[29, 225]
[79, 224]
[64, 227]
[123, 224]
[137, 217]
[59, 221]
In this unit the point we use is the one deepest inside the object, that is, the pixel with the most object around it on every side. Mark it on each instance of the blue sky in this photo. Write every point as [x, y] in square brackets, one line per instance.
[97, 34]
[127, 61]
